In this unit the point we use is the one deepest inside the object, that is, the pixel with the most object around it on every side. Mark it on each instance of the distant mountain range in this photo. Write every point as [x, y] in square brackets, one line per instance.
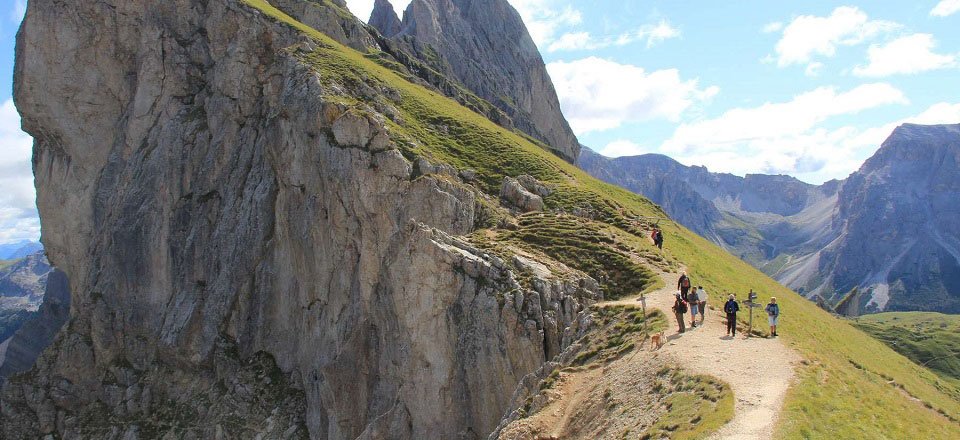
[20, 249]
[884, 239]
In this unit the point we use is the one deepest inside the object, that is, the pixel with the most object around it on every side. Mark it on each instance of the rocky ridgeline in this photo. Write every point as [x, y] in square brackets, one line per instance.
[485, 46]
[249, 254]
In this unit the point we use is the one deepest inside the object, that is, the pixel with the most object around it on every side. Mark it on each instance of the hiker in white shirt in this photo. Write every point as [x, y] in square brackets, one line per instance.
[702, 299]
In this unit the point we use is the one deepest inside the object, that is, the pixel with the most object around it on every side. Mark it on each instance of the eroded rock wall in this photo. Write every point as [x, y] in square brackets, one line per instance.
[246, 254]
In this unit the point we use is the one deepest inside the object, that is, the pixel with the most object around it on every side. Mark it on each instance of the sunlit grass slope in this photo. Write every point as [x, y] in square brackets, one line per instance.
[929, 339]
[849, 386]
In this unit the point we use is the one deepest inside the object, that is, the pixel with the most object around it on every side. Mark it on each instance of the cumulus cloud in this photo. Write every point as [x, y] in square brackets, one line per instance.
[945, 8]
[810, 36]
[18, 210]
[651, 34]
[621, 147]
[770, 28]
[362, 8]
[544, 18]
[904, 55]
[598, 94]
[784, 137]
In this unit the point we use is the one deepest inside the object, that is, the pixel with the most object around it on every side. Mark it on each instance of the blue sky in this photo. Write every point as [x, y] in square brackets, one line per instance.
[808, 89]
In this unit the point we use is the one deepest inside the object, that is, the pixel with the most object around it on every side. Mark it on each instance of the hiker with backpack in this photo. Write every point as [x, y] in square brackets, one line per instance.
[679, 308]
[657, 236]
[773, 315]
[684, 285]
[731, 308]
[694, 308]
[702, 302]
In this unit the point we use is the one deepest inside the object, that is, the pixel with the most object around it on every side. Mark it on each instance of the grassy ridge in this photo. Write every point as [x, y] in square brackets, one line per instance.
[929, 339]
[849, 386]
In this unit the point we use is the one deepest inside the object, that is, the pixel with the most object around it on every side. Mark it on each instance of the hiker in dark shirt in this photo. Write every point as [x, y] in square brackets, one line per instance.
[684, 285]
[731, 308]
[658, 240]
[679, 308]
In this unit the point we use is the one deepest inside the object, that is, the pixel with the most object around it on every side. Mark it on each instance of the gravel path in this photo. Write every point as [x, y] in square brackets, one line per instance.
[758, 370]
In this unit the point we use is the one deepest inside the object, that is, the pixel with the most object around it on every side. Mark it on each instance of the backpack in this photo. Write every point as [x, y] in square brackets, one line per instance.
[659, 236]
[685, 282]
[730, 307]
[680, 307]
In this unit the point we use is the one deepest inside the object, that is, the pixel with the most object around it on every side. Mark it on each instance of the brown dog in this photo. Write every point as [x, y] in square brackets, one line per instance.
[656, 340]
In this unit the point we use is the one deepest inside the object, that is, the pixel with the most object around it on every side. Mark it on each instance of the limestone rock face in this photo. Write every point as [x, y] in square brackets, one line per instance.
[514, 193]
[485, 45]
[384, 18]
[247, 255]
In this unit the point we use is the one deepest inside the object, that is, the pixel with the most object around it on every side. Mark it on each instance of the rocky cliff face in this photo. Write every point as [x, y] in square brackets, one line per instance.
[249, 252]
[485, 46]
[898, 222]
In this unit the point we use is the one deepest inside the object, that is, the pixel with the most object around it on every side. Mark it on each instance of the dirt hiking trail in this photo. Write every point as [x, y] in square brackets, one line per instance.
[758, 370]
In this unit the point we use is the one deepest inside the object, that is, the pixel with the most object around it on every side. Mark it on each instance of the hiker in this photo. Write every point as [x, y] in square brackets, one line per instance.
[684, 285]
[694, 308]
[731, 308]
[702, 301]
[658, 240]
[679, 308]
[773, 314]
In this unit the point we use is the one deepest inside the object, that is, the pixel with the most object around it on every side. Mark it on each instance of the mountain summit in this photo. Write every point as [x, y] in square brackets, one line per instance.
[485, 46]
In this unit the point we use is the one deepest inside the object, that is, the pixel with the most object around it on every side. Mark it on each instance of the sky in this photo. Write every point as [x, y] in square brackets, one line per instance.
[808, 89]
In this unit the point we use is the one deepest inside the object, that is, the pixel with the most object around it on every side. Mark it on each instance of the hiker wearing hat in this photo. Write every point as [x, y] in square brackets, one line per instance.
[679, 308]
[731, 308]
[773, 315]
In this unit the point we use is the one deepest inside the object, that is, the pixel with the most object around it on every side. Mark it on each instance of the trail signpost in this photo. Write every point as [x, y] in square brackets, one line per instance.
[751, 302]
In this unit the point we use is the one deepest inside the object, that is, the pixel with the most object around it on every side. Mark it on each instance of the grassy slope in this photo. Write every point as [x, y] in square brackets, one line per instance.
[850, 386]
[930, 339]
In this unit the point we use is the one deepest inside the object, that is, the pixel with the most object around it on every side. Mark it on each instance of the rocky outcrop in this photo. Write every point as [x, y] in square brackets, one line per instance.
[37, 333]
[524, 193]
[384, 18]
[485, 46]
[249, 254]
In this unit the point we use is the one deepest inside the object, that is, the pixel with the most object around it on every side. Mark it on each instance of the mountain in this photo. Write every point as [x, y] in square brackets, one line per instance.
[13, 251]
[269, 234]
[882, 239]
[484, 45]
[37, 331]
[22, 282]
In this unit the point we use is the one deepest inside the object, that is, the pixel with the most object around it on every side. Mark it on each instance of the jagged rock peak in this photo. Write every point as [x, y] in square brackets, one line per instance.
[384, 18]
[485, 46]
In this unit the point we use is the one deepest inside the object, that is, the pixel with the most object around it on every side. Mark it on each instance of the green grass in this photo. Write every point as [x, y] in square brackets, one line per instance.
[929, 339]
[849, 386]
[697, 405]
[618, 330]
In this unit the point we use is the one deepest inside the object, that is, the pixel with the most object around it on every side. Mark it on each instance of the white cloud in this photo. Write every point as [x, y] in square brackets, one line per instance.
[651, 33]
[18, 211]
[809, 36]
[544, 18]
[813, 69]
[621, 147]
[784, 137]
[362, 8]
[904, 55]
[770, 28]
[598, 94]
[19, 9]
[945, 8]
